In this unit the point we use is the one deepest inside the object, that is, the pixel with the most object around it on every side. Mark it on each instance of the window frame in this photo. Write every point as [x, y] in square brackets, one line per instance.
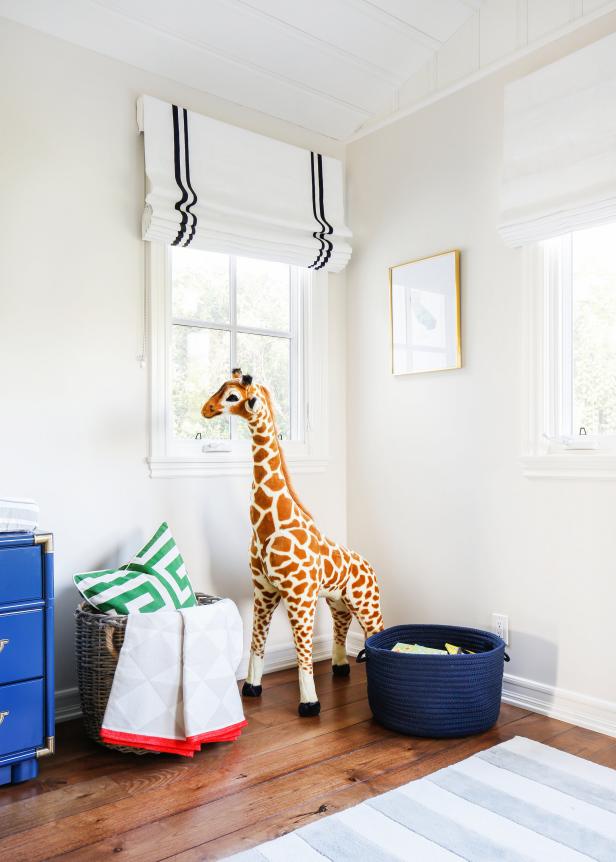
[547, 351]
[169, 457]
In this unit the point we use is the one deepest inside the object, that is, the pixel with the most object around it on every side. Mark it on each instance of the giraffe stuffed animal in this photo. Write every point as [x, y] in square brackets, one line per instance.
[290, 558]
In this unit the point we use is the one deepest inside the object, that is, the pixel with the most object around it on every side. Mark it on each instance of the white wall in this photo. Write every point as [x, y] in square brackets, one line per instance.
[73, 431]
[436, 496]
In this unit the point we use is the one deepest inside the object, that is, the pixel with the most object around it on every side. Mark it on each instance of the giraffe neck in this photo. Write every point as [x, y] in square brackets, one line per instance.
[267, 457]
[274, 499]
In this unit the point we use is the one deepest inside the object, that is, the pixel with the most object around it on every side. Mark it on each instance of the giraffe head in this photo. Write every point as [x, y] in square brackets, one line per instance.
[239, 396]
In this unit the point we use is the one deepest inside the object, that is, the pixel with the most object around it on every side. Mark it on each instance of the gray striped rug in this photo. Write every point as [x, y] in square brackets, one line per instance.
[516, 802]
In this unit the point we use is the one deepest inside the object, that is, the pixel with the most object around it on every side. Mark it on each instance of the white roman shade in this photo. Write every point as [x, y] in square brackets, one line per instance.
[217, 187]
[560, 147]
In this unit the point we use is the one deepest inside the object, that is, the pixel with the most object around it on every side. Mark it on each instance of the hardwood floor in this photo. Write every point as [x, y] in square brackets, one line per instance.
[91, 804]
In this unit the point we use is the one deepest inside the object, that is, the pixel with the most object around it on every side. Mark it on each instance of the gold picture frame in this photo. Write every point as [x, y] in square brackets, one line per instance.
[425, 314]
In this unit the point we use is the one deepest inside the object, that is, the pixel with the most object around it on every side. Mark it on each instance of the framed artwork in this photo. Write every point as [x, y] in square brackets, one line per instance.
[425, 314]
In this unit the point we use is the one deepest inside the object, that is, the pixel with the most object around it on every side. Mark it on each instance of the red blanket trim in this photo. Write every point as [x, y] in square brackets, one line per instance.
[220, 735]
[186, 747]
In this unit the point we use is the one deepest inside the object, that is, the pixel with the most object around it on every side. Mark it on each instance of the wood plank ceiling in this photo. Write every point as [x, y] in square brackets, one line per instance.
[330, 66]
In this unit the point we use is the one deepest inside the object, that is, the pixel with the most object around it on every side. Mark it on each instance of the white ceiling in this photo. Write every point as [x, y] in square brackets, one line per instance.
[331, 66]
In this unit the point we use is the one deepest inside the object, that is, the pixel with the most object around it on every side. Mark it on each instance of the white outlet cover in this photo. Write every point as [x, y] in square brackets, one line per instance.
[500, 626]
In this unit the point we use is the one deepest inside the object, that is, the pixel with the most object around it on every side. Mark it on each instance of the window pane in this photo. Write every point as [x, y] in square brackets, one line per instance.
[263, 293]
[200, 285]
[200, 363]
[267, 359]
[594, 330]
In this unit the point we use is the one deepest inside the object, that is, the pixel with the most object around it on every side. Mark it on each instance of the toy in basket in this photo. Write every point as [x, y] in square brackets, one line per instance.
[436, 694]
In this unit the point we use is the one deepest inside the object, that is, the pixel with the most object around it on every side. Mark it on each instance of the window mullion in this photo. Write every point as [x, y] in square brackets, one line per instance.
[294, 382]
[553, 355]
[558, 338]
[200, 324]
[566, 336]
[233, 321]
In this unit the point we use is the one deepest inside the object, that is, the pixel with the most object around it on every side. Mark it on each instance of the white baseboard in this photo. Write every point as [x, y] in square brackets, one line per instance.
[67, 704]
[277, 657]
[282, 655]
[355, 642]
[582, 710]
[570, 706]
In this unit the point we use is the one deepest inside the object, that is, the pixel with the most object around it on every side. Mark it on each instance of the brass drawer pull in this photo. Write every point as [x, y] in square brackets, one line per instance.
[3, 715]
[3, 642]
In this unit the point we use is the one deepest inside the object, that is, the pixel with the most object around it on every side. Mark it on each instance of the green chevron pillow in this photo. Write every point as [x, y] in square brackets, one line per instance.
[155, 579]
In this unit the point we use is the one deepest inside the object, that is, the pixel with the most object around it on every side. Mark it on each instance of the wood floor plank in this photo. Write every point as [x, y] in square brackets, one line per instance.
[331, 801]
[91, 803]
[198, 825]
[202, 784]
[226, 771]
[78, 758]
[219, 817]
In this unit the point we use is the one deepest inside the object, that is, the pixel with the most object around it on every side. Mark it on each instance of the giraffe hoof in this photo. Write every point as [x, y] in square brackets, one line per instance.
[249, 690]
[341, 669]
[307, 710]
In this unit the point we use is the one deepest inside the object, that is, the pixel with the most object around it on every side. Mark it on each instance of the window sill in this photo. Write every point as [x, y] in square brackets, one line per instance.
[224, 465]
[570, 465]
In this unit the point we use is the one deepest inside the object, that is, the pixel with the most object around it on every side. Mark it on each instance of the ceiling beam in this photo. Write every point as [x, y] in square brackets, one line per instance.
[319, 43]
[413, 34]
[248, 65]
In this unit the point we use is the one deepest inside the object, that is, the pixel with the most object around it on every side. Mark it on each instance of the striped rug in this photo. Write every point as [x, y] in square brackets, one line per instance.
[516, 802]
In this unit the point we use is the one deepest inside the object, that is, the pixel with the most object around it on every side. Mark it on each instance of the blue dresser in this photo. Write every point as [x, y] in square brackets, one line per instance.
[26, 654]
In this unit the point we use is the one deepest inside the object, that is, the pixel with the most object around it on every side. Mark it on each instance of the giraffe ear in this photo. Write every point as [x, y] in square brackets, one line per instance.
[253, 402]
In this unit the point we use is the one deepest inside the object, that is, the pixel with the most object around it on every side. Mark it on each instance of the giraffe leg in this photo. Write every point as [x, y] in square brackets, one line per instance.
[342, 617]
[362, 597]
[264, 604]
[302, 623]
[370, 620]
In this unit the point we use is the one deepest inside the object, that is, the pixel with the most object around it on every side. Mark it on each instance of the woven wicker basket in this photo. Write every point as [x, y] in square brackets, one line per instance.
[98, 641]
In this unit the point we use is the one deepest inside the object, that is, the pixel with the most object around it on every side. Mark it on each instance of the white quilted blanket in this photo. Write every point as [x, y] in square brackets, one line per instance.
[175, 687]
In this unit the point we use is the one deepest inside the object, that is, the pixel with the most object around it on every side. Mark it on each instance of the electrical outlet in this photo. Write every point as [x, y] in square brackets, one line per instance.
[500, 626]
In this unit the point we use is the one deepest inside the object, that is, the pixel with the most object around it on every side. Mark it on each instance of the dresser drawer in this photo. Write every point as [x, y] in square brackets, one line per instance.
[21, 716]
[21, 645]
[21, 574]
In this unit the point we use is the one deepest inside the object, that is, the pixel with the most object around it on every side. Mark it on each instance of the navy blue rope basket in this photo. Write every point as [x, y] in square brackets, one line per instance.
[435, 695]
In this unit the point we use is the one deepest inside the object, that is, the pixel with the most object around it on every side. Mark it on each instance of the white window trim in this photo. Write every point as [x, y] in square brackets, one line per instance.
[542, 458]
[308, 456]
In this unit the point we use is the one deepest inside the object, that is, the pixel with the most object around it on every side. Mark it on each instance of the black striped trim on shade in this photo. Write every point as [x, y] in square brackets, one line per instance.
[182, 206]
[318, 209]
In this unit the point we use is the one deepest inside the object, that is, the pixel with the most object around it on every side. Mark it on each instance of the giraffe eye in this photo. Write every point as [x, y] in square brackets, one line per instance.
[232, 398]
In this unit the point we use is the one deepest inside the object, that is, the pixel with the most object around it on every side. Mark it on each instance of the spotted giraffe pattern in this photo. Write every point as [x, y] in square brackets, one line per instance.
[290, 559]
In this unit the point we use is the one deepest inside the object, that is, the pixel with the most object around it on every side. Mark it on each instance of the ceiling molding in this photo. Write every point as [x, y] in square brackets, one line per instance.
[339, 68]
[384, 17]
[437, 94]
[330, 68]
[321, 44]
[109, 6]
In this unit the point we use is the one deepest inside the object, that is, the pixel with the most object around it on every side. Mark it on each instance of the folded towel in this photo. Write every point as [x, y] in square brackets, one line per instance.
[174, 687]
[18, 515]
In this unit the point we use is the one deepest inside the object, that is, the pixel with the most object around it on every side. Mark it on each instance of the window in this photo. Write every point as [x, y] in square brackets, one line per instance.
[574, 363]
[212, 312]
[233, 312]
